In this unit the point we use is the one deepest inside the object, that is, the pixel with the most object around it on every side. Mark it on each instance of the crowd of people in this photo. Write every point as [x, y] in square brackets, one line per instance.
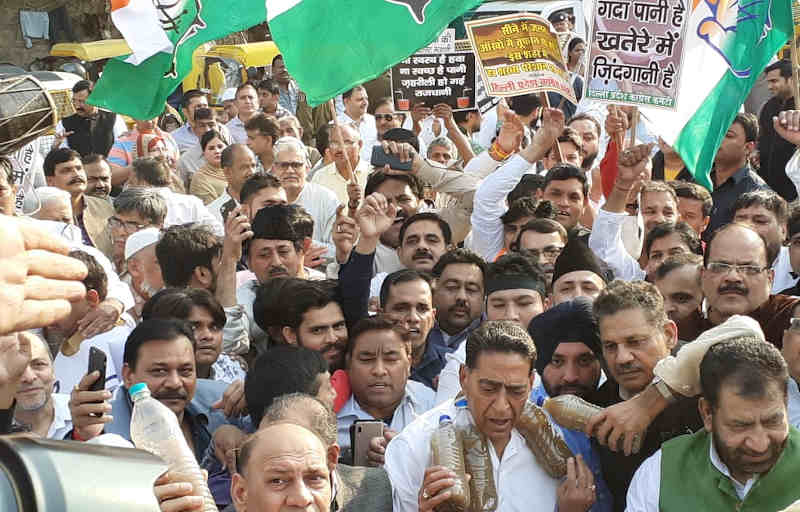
[276, 290]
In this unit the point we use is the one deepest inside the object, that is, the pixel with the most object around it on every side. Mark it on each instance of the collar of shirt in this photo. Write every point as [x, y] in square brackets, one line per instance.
[353, 409]
[793, 407]
[737, 177]
[454, 340]
[741, 489]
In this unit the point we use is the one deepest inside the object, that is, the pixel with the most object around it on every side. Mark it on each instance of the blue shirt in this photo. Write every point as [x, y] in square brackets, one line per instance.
[427, 371]
[580, 444]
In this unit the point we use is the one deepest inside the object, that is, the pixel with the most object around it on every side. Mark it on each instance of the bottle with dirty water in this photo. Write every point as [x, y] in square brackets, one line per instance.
[447, 451]
[571, 411]
[155, 428]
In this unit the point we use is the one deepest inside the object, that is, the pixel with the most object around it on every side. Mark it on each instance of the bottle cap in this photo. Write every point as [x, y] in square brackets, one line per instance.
[137, 388]
[443, 418]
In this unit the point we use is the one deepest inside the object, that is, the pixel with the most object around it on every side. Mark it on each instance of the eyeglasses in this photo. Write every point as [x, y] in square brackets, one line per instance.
[384, 117]
[550, 253]
[349, 143]
[284, 166]
[720, 268]
[117, 223]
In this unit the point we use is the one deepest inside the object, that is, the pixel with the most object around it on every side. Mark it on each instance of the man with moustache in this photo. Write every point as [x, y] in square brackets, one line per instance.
[39, 409]
[90, 129]
[347, 167]
[678, 279]
[281, 239]
[98, 175]
[144, 272]
[63, 169]
[160, 353]
[544, 239]
[746, 455]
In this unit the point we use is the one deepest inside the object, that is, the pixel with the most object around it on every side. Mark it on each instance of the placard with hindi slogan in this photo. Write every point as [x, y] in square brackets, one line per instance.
[519, 54]
[434, 78]
[636, 52]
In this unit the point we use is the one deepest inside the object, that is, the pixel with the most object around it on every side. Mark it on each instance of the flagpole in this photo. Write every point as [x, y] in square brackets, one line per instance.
[339, 140]
[558, 144]
[793, 42]
[634, 125]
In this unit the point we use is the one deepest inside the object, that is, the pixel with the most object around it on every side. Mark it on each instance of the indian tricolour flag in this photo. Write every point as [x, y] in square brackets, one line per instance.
[329, 46]
[729, 43]
[162, 36]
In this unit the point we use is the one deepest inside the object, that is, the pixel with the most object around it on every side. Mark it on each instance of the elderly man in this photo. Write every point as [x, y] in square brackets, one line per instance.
[290, 166]
[144, 272]
[347, 167]
[55, 204]
[134, 209]
[497, 380]
[746, 438]
[39, 409]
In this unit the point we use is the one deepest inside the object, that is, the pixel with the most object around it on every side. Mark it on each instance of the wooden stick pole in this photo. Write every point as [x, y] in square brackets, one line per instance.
[558, 144]
[634, 125]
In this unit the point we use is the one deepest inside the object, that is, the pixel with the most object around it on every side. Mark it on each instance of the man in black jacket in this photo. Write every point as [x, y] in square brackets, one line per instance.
[89, 130]
[773, 150]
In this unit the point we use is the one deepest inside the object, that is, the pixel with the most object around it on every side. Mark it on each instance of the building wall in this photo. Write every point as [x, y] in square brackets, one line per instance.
[90, 21]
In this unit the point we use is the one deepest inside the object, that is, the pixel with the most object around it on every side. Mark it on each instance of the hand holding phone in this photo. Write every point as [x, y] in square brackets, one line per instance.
[97, 363]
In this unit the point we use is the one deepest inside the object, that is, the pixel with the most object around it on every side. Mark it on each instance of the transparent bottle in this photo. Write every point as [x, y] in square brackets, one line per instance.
[155, 428]
[570, 411]
[447, 451]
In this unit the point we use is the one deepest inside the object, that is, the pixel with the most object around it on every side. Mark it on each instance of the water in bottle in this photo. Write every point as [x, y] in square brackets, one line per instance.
[155, 428]
[447, 451]
[478, 463]
[547, 446]
[571, 411]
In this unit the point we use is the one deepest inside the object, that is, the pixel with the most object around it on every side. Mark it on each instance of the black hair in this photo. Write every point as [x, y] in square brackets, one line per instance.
[281, 370]
[405, 275]
[209, 136]
[767, 199]
[525, 104]
[256, 182]
[82, 85]
[402, 135]
[283, 222]
[191, 94]
[686, 190]
[183, 248]
[153, 171]
[269, 84]
[166, 329]
[347, 94]
[528, 185]
[204, 113]
[783, 65]
[378, 177]
[502, 336]
[179, 302]
[447, 234]
[374, 323]
[748, 363]
[282, 302]
[265, 125]
[58, 156]
[563, 172]
[96, 279]
[749, 123]
[456, 256]
[663, 229]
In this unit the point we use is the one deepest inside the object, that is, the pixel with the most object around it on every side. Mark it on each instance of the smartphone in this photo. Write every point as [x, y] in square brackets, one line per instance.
[97, 363]
[361, 433]
[381, 158]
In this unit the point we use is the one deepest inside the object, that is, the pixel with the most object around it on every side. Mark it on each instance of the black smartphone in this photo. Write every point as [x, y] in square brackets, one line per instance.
[97, 363]
[381, 158]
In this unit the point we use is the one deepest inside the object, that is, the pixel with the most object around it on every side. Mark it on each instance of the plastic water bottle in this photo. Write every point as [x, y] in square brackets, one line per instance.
[571, 411]
[447, 451]
[155, 428]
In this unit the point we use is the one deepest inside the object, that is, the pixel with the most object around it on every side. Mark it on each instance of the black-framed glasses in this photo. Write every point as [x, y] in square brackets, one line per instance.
[284, 166]
[719, 268]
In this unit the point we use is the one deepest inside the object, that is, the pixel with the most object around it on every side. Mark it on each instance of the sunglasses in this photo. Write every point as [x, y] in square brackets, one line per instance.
[384, 117]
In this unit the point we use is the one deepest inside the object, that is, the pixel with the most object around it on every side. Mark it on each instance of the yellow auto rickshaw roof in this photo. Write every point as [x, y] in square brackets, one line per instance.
[92, 51]
[248, 54]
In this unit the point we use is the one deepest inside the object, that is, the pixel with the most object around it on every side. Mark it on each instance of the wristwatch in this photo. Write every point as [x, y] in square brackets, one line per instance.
[664, 390]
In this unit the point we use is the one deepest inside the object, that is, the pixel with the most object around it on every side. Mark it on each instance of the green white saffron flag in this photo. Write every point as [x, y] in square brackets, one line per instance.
[728, 45]
[329, 46]
[162, 35]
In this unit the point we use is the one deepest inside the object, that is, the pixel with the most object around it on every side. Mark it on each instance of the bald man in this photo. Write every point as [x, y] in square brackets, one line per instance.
[288, 453]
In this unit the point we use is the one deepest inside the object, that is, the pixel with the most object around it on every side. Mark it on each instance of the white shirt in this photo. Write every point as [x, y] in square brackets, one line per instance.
[70, 370]
[522, 484]
[184, 208]
[606, 242]
[417, 400]
[330, 178]
[644, 492]
[215, 206]
[62, 419]
[367, 129]
[321, 204]
[490, 205]
[782, 266]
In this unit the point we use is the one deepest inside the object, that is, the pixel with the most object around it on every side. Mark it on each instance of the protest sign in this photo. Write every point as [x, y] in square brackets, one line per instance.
[435, 78]
[636, 52]
[519, 54]
[445, 43]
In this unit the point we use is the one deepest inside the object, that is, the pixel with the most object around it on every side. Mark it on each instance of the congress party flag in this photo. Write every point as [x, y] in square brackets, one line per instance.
[728, 45]
[141, 90]
[329, 46]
